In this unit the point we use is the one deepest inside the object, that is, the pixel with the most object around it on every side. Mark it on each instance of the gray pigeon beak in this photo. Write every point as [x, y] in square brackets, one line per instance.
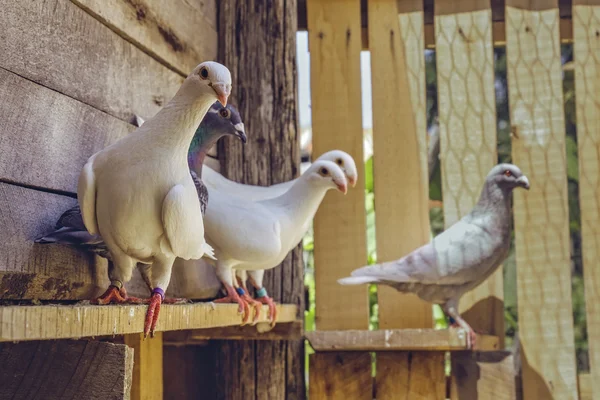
[223, 91]
[240, 132]
[523, 182]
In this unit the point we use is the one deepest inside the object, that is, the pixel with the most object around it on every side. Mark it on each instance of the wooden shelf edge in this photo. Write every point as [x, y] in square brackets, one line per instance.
[21, 323]
[398, 340]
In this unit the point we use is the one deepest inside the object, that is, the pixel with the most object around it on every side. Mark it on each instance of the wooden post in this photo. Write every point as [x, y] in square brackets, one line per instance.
[340, 223]
[541, 215]
[586, 28]
[396, 41]
[147, 367]
[263, 68]
[63, 369]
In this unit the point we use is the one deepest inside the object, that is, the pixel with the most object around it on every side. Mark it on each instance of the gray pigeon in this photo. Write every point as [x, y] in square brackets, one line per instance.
[460, 258]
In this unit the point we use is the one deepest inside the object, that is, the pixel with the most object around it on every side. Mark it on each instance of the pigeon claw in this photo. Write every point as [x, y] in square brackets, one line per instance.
[272, 308]
[257, 305]
[152, 315]
[114, 295]
[234, 297]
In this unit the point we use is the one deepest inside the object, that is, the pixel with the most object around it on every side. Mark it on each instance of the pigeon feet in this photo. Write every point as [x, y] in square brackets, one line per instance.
[117, 296]
[152, 313]
[257, 305]
[471, 334]
[265, 299]
[234, 297]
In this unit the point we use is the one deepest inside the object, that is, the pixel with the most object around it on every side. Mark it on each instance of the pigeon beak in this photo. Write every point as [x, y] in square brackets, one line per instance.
[352, 181]
[223, 91]
[240, 132]
[342, 187]
[523, 182]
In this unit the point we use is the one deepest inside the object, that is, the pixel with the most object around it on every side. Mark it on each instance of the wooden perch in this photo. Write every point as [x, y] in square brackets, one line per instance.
[61, 322]
[398, 340]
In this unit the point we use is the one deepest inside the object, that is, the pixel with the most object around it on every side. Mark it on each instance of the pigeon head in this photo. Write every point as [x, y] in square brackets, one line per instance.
[328, 175]
[224, 120]
[213, 79]
[508, 177]
[345, 162]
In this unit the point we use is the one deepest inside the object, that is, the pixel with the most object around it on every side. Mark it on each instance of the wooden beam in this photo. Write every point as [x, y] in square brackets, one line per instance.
[179, 34]
[397, 340]
[65, 369]
[586, 392]
[415, 375]
[60, 46]
[263, 331]
[467, 121]
[483, 376]
[19, 323]
[342, 376]
[147, 381]
[541, 215]
[586, 53]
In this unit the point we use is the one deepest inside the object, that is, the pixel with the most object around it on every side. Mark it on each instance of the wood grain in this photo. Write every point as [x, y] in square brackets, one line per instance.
[19, 323]
[147, 379]
[385, 340]
[541, 215]
[483, 376]
[342, 377]
[65, 370]
[180, 34]
[412, 375]
[60, 46]
[265, 59]
[585, 387]
[586, 25]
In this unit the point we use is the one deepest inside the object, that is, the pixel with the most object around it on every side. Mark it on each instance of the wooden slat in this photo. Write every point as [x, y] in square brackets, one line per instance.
[46, 137]
[414, 375]
[483, 376]
[399, 144]
[59, 45]
[179, 33]
[147, 380]
[467, 120]
[397, 340]
[19, 323]
[342, 376]
[340, 223]
[541, 215]
[65, 370]
[586, 52]
[281, 331]
[585, 386]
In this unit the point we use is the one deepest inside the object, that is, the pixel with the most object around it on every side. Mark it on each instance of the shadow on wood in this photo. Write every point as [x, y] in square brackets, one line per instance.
[65, 370]
[483, 376]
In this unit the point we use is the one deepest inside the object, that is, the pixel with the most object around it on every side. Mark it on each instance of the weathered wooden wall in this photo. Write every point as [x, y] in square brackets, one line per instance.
[72, 76]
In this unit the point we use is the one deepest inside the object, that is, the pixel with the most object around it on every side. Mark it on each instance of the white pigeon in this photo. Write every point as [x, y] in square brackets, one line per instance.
[461, 257]
[138, 193]
[216, 181]
[257, 235]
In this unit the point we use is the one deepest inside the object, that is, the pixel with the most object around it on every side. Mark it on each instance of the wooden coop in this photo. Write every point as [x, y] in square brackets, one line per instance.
[74, 73]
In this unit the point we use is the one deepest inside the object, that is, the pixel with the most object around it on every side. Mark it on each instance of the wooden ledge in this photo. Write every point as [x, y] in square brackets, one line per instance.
[19, 323]
[398, 340]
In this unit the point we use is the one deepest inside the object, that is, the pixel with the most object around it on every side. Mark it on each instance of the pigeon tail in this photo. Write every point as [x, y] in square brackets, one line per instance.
[357, 280]
[208, 251]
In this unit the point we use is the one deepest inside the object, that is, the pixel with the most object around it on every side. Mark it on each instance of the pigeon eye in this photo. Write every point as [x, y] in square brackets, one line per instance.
[225, 113]
[507, 173]
[339, 161]
[204, 73]
[324, 171]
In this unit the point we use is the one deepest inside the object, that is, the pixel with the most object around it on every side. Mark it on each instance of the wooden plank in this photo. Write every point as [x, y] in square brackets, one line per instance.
[180, 34]
[187, 374]
[65, 370]
[60, 46]
[399, 144]
[483, 376]
[147, 380]
[467, 120]
[281, 331]
[586, 52]
[413, 375]
[340, 223]
[397, 340]
[46, 137]
[342, 378]
[19, 323]
[585, 387]
[541, 215]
